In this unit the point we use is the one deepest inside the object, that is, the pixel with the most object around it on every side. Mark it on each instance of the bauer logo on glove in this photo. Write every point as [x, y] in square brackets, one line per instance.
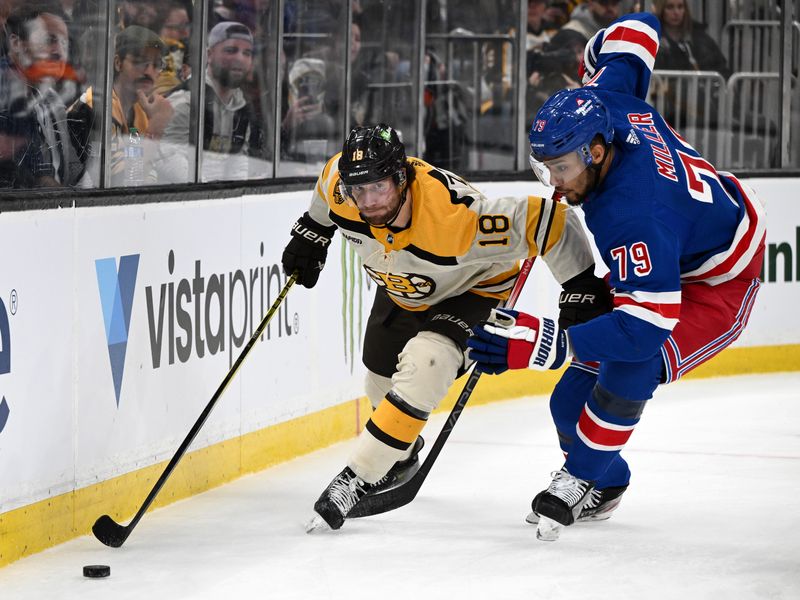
[516, 340]
[307, 250]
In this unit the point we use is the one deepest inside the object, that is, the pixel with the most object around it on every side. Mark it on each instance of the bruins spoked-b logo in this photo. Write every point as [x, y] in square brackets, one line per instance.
[403, 285]
[337, 194]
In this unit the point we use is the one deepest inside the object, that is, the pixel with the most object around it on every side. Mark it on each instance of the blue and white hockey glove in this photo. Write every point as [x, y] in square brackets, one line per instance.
[516, 340]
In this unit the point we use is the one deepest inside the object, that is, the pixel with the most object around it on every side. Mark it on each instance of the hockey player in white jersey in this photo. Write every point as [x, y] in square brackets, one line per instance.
[442, 255]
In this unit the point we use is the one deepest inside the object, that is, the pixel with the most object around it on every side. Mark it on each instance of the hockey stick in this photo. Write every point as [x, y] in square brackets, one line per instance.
[402, 494]
[112, 533]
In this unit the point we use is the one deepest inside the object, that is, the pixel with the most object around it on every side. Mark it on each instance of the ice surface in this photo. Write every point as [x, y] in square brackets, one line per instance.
[712, 512]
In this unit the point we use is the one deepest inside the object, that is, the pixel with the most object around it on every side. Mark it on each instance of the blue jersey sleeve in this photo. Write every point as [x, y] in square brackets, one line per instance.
[645, 275]
[620, 58]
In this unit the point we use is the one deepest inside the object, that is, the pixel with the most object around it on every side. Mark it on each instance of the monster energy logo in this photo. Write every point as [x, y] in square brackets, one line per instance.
[352, 303]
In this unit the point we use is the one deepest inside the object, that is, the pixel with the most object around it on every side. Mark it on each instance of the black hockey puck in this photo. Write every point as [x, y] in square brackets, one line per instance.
[96, 571]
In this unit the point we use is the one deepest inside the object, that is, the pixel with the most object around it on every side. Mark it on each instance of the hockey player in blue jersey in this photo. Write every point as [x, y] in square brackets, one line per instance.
[684, 244]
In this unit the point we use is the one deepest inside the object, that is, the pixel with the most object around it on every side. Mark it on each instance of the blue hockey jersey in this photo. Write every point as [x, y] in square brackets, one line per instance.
[663, 216]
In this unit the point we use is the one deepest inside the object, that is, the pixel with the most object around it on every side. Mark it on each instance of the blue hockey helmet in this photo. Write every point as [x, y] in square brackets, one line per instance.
[568, 122]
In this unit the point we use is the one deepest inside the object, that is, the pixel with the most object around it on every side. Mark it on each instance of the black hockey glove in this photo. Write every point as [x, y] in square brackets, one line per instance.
[307, 250]
[583, 298]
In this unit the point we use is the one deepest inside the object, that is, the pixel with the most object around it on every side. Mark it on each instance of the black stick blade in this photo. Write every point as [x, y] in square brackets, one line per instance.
[386, 500]
[110, 532]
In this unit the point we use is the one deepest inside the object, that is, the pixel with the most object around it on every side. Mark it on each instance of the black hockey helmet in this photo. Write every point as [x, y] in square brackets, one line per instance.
[370, 154]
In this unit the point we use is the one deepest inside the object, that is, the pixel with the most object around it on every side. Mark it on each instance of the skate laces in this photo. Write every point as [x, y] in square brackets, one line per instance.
[345, 491]
[382, 480]
[594, 500]
[568, 488]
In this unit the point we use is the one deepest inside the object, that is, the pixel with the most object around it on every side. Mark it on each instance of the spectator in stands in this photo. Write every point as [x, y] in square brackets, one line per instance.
[588, 18]
[231, 134]
[540, 30]
[35, 147]
[138, 59]
[176, 23]
[446, 117]
[143, 13]
[557, 13]
[685, 45]
[361, 72]
[176, 28]
[308, 126]
[553, 68]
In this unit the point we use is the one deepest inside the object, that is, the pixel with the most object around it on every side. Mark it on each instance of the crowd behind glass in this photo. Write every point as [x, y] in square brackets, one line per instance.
[97, 93]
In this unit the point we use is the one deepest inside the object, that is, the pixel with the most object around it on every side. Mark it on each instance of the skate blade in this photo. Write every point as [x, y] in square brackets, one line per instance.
[548, 530]
[317, 524]
[533, 518]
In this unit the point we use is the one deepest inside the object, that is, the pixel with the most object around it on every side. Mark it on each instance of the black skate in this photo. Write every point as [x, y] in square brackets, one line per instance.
[401, 471]
[560, 504]
[337, 500]
[602, 503]
[599, 507]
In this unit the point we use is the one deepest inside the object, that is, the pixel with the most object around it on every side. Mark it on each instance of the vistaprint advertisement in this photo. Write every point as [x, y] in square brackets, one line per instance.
[127, 319]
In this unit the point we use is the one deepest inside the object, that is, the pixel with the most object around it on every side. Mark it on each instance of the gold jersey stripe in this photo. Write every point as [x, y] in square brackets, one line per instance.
[545, 224]
[556, 227]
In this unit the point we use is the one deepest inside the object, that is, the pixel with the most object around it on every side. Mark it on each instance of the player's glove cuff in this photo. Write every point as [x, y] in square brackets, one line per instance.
[514, 340]
[584, 297]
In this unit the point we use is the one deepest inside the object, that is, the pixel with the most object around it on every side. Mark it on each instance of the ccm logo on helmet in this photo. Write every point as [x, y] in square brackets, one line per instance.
[312, 236]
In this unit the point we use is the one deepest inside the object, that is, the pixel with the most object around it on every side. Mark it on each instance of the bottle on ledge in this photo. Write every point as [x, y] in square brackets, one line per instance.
[134, 159]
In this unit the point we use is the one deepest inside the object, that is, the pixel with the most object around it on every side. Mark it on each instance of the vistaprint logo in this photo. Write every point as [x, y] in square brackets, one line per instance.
[116, 297]
[5, 360]
[191, 316]
[207, 314]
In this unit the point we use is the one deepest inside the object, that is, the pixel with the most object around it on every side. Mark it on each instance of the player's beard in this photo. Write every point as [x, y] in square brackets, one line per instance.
[585, 185]
[385, 217]
[381, 219]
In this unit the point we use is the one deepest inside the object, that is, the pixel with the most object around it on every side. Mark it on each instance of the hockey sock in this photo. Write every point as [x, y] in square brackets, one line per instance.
[387, 438]
[569, 397]
[603, 429]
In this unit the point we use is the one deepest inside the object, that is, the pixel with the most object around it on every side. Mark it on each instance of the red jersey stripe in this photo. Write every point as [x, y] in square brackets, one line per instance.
[626, 34]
